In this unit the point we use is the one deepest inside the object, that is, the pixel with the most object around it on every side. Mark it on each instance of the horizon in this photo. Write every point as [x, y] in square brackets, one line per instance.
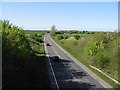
[69, 30]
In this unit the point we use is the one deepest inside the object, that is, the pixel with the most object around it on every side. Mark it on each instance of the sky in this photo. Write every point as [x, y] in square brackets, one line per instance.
[90, 16]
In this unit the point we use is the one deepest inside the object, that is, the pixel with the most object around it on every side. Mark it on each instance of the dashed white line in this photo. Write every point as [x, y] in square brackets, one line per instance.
[64, 63]
[73, 76]
[53, 74]
[72, 58]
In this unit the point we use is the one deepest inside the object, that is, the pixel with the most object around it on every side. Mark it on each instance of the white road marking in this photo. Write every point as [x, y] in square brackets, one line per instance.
[102, 85]
[51, 67]
[73, 76]
[75, 61]
[64, 64]
[53, 73]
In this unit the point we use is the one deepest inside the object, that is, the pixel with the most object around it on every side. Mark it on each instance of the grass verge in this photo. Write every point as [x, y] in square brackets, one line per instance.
[80, 57]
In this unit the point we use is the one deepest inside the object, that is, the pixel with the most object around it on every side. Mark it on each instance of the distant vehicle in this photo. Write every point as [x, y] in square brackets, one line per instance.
[56, 58]
[92, 84]
[48, 44]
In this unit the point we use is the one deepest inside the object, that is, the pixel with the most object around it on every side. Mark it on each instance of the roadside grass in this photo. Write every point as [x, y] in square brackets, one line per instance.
[34, 74]
[112, 83]
[35, 31]
[36, 68]
[77, 48]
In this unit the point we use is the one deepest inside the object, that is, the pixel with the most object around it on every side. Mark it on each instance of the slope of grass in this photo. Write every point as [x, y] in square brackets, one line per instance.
[78, 49]
[34, 74]
[36, 68]
[23, 59]
[35, 31]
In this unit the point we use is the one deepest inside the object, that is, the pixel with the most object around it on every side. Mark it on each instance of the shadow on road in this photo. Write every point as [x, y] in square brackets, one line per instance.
[68, 77]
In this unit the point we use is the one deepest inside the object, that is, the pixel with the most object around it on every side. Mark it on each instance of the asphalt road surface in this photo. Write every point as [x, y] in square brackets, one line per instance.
[68, 73]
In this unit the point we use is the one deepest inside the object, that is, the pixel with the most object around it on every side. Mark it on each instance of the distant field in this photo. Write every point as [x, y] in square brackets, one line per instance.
[82, 35]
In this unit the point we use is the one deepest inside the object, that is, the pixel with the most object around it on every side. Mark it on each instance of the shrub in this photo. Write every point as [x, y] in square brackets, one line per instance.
[66, 37]
[103, 61]
[94, 47]
[16, 50]
[60, 37]
[77, 37]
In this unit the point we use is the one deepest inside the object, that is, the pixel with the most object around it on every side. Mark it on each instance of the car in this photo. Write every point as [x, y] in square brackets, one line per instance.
[48, 44]
[56, 58]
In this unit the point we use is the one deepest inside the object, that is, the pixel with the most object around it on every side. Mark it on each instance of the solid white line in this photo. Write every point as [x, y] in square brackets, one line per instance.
[64, 63]
[74, 60]
[53, 74]
[102, 85]
[72, 57]
[51, 67]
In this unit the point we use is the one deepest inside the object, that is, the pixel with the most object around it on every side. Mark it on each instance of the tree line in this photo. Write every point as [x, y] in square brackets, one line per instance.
[16, 51]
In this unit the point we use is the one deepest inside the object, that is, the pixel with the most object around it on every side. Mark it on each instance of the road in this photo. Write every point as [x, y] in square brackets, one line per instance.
[69, 73]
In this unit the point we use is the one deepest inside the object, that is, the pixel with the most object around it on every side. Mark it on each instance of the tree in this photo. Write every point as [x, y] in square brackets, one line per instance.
[60, 37]
[53, 30]
[77, 37]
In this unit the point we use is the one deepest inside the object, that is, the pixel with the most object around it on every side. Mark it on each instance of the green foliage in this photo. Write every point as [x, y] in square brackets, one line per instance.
[76, 32]
[53, 30]
[94, 47]
[21, 67]
[62, 42]
[103, 61]
[75, 42]
[37, 37]
[15, 49]
[60, 37]
[66, 36]
[99, 49]
[77, 37]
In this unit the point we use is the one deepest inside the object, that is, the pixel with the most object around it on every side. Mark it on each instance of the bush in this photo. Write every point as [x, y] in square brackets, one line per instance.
[77, 37]
[60, 37]
[62, 42]
[15, 51]
[66, 37]
[103, 61]
[94, 47]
